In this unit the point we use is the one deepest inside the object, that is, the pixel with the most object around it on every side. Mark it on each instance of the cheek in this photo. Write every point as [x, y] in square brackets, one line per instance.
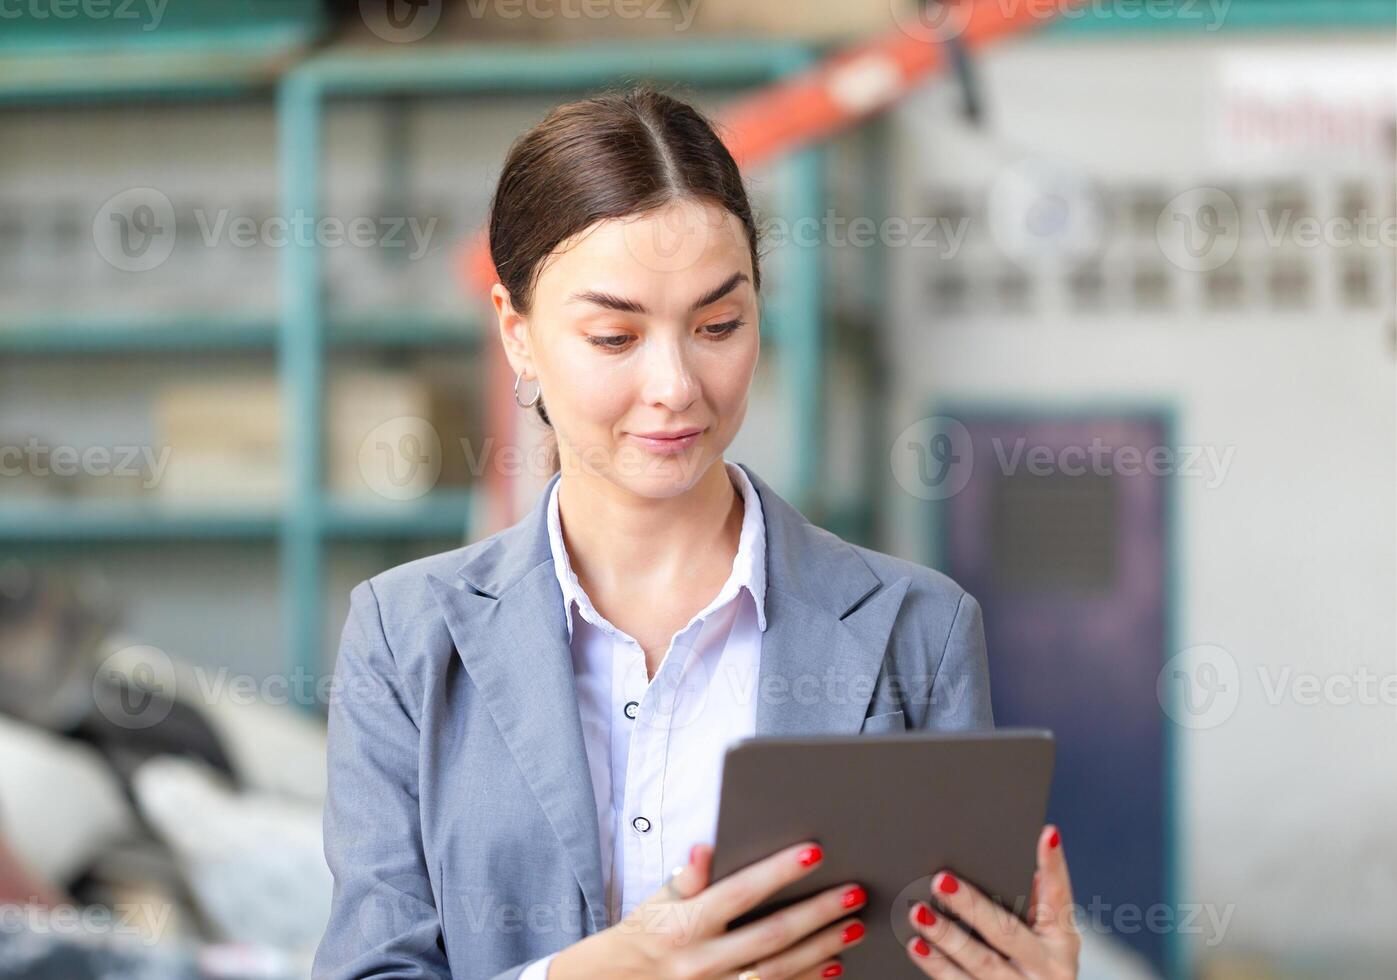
[594, 396]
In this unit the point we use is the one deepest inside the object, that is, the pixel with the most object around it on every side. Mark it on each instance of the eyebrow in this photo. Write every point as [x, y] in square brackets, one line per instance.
[624, 305]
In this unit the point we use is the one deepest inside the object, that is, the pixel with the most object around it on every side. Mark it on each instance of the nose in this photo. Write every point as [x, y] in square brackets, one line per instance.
[669, 378]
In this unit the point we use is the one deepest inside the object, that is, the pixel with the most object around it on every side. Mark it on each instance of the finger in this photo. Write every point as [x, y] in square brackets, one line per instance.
[701, 857]
[722, 901]
[822, 971]
[687, 880]
[815, 957]
[802, 930]
[932, 961]
[967, 952]
[1000, 927]
[1054, 903]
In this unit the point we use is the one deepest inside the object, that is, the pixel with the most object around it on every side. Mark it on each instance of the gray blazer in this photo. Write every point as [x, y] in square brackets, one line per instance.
[459, 822]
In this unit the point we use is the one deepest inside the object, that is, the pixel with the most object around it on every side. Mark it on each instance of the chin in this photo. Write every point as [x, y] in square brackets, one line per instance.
[661, 476]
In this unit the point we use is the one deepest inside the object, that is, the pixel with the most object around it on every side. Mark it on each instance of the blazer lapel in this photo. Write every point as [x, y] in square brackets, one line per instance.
[512, 638]
[828, 621]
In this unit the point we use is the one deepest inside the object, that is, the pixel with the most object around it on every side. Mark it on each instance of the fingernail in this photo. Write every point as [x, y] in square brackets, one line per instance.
[854, 897]
[809, 856]
[925, 916]
[1054, 840]
[693, 854]
[921, 947]
[946, 884]
[833, 970]
[854, 930]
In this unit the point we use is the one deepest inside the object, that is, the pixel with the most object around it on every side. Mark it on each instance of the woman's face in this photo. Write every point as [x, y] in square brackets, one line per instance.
[642, 328]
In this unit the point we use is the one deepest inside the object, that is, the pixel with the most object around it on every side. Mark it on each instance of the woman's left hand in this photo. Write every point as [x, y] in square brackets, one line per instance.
[1045, 949]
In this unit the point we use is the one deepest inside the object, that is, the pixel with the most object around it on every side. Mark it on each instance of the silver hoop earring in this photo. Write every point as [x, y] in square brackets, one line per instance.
[538, 393]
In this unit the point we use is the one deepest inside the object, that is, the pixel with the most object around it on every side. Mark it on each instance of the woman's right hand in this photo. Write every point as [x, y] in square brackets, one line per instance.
[680, 932]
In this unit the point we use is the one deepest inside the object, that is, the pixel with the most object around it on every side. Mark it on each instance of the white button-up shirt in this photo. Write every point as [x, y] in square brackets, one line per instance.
[655, 747]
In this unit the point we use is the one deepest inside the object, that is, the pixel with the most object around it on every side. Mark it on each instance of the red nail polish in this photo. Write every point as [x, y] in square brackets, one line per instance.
[921, 947]
[693, 854]
[809, 856]
[854, 930]
[925, 915]
[854, 897]
[833, 970]
[947, 884]
[1054, 840]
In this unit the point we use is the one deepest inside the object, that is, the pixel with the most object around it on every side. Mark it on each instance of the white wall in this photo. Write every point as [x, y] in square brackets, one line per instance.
[1288, 564]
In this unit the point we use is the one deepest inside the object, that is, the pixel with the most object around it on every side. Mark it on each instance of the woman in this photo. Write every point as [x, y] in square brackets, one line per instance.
[529, 731]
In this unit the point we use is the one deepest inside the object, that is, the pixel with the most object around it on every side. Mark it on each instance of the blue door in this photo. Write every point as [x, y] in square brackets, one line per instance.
[1057, 526]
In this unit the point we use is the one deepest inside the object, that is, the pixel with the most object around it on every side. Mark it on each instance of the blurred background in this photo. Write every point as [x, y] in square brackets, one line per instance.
[1089, 305]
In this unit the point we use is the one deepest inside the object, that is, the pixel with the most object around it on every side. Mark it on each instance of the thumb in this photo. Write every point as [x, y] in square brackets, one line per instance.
[688, 880]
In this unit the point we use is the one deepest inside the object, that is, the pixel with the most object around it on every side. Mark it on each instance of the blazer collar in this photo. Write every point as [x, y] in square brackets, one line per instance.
[802, 560]
[828, 621]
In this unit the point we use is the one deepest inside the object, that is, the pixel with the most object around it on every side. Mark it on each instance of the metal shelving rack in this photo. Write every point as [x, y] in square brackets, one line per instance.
[302, 335]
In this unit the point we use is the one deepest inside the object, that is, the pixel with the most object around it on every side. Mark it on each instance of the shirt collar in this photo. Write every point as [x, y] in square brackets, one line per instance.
[748, 568]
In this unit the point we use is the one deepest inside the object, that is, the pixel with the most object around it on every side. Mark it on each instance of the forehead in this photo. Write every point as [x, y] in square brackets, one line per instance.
[661, 249]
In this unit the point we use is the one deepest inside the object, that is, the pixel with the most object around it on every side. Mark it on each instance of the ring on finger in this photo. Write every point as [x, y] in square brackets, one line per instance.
[749, 975]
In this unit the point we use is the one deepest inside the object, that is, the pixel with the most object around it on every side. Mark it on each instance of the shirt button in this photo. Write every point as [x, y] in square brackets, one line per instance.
[631, 708]
[641, 825]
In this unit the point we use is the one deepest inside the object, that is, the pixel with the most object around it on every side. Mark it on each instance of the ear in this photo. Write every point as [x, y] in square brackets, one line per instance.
[514, 333]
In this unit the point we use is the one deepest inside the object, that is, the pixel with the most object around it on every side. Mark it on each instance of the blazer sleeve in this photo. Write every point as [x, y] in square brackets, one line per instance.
[960, 689]
[383, 915]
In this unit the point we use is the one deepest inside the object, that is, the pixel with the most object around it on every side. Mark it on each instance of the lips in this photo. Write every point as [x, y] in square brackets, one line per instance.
[676, 434]
[667, 443]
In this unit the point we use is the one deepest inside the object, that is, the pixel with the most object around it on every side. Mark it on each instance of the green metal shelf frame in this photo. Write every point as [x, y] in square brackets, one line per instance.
[1239, 15]
[500, 69]
[192, 333]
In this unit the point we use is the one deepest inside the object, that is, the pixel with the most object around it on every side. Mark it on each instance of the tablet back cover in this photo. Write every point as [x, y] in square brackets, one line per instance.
[889, 810]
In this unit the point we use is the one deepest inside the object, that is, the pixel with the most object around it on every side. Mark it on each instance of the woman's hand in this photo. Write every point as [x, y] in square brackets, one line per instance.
[680, 932]
[1046, 949]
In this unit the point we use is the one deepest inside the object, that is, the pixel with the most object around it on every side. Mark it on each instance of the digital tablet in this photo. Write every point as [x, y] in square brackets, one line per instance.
[889, 810]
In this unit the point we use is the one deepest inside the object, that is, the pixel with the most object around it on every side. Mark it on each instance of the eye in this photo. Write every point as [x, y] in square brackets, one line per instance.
[613, 342]
[720, 330]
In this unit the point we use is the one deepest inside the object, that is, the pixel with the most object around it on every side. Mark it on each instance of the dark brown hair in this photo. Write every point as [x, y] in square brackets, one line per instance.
[617, 154]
